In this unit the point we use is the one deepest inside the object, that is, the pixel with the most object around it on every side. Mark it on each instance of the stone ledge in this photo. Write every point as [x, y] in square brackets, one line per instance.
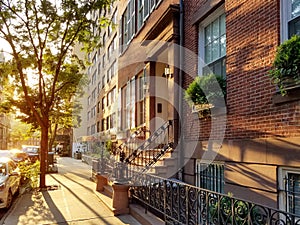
[293, 94]
[138, 212]
[105, 199]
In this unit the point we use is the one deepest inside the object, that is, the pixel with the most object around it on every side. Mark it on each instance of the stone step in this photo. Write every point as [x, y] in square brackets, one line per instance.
[107, 200]
[108, 190]
[145, 218]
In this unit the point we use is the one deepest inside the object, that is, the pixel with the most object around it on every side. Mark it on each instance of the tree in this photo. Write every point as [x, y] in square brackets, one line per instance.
[20, 133]
[42, 35]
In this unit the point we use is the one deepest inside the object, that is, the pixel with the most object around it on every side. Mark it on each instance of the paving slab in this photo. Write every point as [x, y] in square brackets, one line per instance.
[70, 201]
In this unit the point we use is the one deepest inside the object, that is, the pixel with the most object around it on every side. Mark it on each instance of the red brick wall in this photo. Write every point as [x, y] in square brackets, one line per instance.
[252, 30]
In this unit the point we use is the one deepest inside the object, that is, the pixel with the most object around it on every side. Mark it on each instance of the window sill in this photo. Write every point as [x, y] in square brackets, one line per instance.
[208, 110]
[293, 94]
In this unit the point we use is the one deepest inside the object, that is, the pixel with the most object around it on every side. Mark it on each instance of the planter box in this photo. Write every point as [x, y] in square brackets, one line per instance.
[208, 110]
[201, 107]
[293, 94]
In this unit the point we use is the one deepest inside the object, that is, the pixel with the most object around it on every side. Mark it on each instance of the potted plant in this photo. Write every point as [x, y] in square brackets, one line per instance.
[205, 93]
[286, 66]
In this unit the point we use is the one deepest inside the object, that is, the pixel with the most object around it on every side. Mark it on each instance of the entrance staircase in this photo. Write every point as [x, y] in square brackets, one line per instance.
[135, 157]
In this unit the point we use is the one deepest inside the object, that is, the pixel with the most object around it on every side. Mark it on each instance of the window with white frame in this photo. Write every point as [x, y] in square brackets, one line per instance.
[290, 18]
[140, 13]
[210, 176]
[131, 19]
[140, 100]
[289, 189]
[212, 44]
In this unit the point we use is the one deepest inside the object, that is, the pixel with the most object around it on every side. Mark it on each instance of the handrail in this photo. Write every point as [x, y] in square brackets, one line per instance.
[132, 136]
[136, 153]
[181, 203]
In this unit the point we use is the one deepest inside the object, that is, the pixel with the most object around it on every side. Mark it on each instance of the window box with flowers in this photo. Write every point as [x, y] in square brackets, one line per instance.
[285, 73]
[206, 95]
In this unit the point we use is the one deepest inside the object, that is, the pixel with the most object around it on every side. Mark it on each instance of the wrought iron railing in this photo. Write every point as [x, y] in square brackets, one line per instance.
[132, 142]
[137, 160]
[157, 140]
[180, 203]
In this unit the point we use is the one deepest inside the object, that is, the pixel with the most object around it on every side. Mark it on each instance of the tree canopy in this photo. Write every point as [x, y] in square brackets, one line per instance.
[43, 70]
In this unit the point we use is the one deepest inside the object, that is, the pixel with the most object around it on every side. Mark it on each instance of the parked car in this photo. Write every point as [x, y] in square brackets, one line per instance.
[15, 154]
[32, 151]
[9, 181]
[18, 155]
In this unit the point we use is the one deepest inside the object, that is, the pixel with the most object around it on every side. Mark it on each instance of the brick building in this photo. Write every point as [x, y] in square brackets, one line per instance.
[259, 150]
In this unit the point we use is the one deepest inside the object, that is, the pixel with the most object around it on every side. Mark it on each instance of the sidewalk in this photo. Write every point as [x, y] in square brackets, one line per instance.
[71, 201]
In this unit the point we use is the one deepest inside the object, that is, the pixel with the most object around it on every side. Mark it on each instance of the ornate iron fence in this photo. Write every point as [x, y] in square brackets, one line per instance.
[180, 203]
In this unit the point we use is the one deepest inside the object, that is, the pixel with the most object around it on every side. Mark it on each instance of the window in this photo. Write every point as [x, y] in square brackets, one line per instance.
[212, 44]
[88, 115]
[128, 26]
[109, 99]
[113, 95]
[140, 88]
[210, 176]
[103, 81]
[94, 78]
[112, 120]
[98, 127]
[103, 103]
[99, 87]
[93, 129]
[131, 19]
[94, 94]
[140, 13]
[146, 8]
[290, 18]
[107, 122]
[103, 124]
[98, 107]
[289, 184]
[103, 60]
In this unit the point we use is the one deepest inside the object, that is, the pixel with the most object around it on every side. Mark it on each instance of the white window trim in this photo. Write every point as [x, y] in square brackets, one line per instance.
[285, 12]
[218, 12]
[282, 173]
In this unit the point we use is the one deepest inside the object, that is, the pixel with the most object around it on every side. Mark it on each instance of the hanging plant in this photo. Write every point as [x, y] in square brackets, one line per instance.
[206, 92]
[286, 66]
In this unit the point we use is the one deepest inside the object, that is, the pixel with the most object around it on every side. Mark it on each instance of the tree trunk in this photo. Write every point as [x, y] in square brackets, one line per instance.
[44, 156]
[52, 136]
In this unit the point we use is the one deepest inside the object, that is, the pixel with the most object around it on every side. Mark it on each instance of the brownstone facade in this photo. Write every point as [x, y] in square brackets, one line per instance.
[144, 56]
[262, 133]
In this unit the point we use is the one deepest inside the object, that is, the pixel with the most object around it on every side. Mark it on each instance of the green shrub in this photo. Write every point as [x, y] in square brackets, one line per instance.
[206, 89]
[30, 171]
[286, 65]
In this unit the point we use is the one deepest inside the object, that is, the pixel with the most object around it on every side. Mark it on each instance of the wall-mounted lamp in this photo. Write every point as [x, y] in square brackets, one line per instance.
[168, 73]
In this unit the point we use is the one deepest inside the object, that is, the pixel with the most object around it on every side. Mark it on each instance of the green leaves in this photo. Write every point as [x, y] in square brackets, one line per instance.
[206, 89]
[286, 65]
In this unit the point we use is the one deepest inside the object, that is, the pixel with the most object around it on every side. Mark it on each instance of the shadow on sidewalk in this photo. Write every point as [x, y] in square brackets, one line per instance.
[77, 195]
[52, 206]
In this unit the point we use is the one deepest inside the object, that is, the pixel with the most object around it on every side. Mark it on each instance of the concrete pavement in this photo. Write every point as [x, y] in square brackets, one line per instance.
[71, 200]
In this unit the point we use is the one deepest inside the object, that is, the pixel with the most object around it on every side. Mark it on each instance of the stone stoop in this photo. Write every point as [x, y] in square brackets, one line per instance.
[165, 166]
